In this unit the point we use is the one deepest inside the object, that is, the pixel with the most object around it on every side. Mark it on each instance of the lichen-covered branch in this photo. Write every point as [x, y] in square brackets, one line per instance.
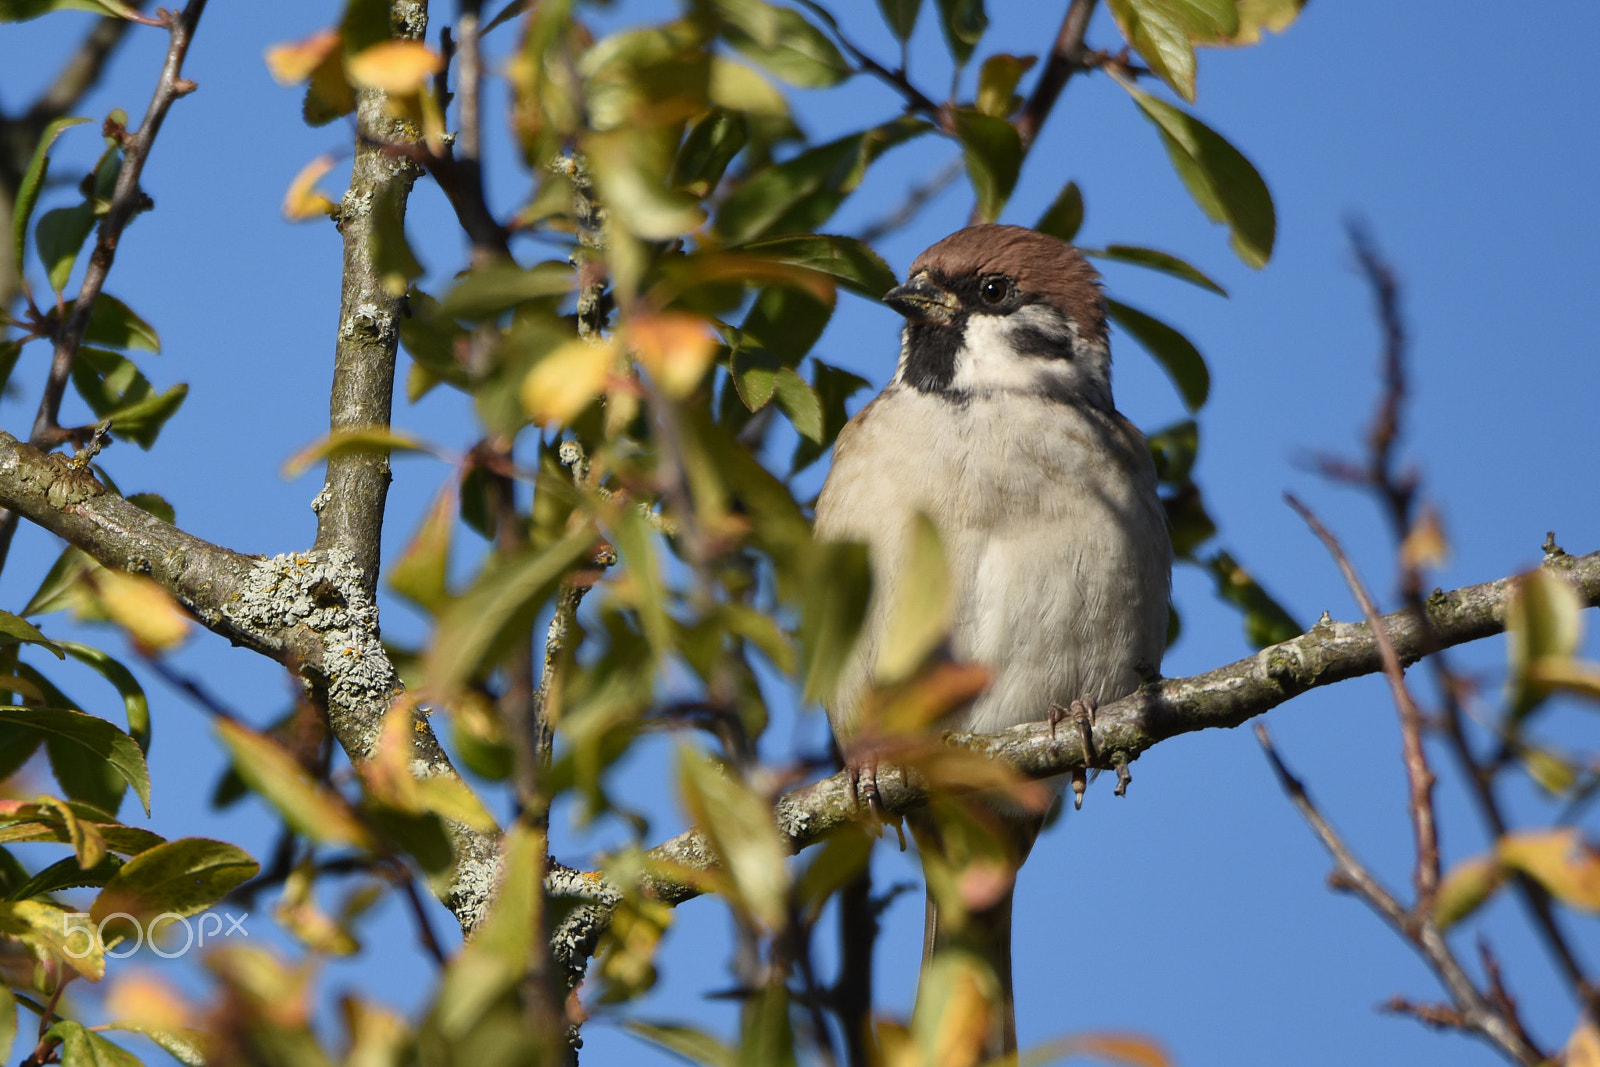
[350, 508]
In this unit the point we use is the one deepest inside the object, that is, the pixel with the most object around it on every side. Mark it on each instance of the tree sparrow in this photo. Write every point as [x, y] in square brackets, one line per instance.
[998, 425]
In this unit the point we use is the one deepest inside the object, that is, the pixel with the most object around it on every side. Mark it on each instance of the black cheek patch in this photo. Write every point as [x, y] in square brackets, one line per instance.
[931, 355]
[1046, 344]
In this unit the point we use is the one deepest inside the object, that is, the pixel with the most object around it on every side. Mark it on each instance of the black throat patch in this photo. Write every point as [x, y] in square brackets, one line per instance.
[931, 354]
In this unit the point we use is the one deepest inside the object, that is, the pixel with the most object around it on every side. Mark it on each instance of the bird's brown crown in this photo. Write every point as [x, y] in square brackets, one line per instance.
[1051, 270]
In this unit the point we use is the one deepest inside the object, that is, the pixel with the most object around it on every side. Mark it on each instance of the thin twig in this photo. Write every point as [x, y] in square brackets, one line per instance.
[1472, 1011]
[1419, 778]
[1067, 57]
[126, 200]
[916, 199]
[1396, 493]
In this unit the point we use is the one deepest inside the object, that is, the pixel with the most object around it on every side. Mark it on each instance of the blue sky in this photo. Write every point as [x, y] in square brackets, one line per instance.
[1194, 909]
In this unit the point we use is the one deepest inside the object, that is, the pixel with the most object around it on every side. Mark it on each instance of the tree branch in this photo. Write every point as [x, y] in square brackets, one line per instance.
[350, 507]
[126, 201]
[1226, 697]
[1067, 57]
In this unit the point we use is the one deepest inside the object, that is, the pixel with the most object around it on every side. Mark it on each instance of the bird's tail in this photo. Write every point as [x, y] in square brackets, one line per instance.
[985, 935]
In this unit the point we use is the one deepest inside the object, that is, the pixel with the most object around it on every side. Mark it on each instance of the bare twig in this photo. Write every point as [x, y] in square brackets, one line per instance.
[1396, 492]
[1419, 778]
[1067, 57]
[916, 199]
[1471, 1010]
[126, 200]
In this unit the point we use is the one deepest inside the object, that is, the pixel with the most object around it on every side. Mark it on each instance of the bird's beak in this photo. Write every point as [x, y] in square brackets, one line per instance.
[920, 300]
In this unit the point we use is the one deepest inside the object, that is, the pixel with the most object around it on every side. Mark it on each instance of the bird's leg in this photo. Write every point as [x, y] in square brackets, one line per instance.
[1081, 712]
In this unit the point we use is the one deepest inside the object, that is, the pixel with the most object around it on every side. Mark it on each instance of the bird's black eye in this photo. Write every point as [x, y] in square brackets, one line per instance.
[994, 289]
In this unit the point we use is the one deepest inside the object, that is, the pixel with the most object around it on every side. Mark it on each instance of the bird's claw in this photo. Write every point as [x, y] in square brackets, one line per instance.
[1082, 713]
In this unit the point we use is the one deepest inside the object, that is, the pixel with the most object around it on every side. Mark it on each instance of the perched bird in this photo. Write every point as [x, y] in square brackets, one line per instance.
[999, 427]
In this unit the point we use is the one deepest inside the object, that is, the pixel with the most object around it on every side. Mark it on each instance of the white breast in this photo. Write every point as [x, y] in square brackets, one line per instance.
[1054, 535]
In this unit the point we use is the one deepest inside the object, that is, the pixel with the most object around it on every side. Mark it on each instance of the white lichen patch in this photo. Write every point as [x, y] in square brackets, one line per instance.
[323, 592]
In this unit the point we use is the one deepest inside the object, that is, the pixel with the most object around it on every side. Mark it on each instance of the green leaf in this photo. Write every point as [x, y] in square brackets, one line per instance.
[134, 702]
[799, 402]
[421, 573]
[308, 806]
[997, 83]
[16, 630]
[8, 1021]
[992, 148]
[683, 1040]
[963, 22]
[486, 292]
[1266, 622]
[1157, 261]
[919, 611]
[499, 608]
[1164, 32]
[738, 821]
[496, 958]
[113, 323]
[94, 736]
[185, 1046]
[708, 147]
[901, 17]
[768, 1035]
[800, 194]
[849, 261]
[1064, 218]
[1258, 15]
[33, 178]
[65, 874]
[114, 388]
[59, 238]
[142, 420]
[367, 440]
[47, 929]
[1221, 180]
[1174, 450]
[22, 10]
[1544, 623]
[834, 388]
[81, 1047]
[1176, 353]
[834, 595]
[785, 322]
[784, 42]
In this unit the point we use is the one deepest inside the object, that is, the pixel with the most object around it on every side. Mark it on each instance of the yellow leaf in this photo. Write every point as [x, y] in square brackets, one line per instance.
[1559, 860]
[354, 439]
[1131, 1049]
[146, 611]
[1425, 544]
[739, 822]
[1467, 885]
[304, 200]
[919, 603]
[306, 804]
[1583, 1047]
[1543, 627]
[147, 1001]
[294, 62]
[87, 842]
[566, 381]
[52, 931]
[676, 349]
[394, 66]
[956, 1001]
[389, 774]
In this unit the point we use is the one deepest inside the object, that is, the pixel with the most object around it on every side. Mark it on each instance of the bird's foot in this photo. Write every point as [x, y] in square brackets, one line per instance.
[1082, 713]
